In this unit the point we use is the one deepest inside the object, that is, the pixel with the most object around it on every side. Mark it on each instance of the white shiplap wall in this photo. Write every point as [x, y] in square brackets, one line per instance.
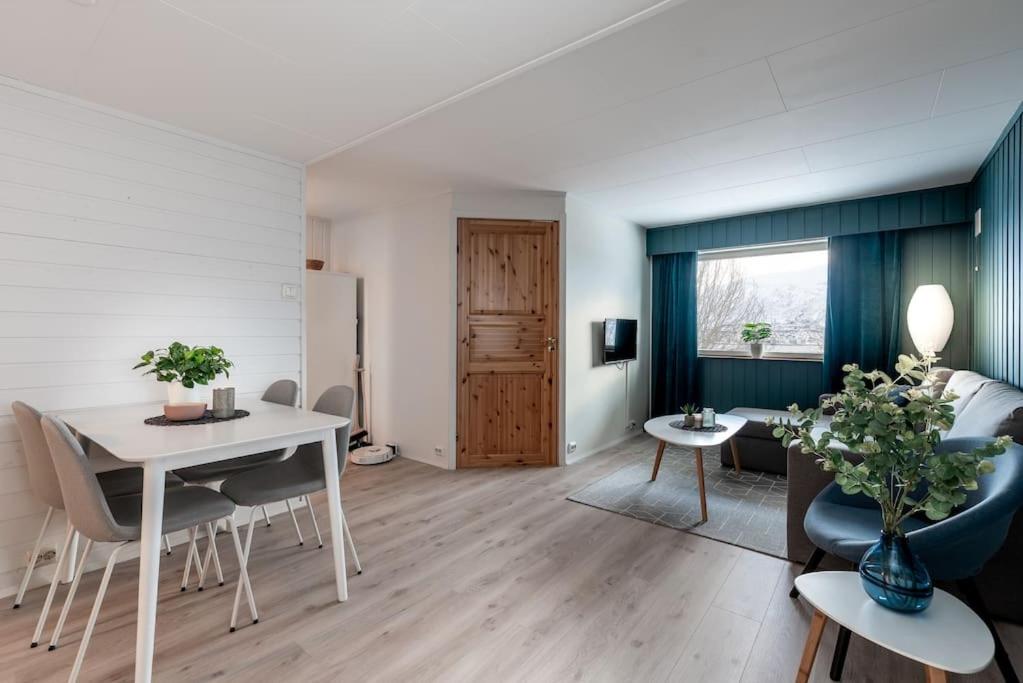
[118, 235]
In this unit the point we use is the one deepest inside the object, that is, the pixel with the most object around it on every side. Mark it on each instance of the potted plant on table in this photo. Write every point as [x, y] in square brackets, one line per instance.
[890, 426]
[185, 369]
[689, 414]
[755, 334]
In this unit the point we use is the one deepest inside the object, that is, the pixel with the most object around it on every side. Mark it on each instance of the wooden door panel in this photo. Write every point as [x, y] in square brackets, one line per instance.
[502, 424]
[504, 276]
[507, 358]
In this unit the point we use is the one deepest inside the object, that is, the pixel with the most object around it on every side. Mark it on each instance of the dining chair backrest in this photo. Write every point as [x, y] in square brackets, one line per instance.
[283, 392]
[86, 505]
[337, 400]
[41, 475]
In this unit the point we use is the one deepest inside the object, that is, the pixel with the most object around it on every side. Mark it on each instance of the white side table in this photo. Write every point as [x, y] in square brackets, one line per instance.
[661, 429]
[947, 636]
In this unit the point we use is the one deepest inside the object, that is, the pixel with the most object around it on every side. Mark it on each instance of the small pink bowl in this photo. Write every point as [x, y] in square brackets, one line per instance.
[179, 412]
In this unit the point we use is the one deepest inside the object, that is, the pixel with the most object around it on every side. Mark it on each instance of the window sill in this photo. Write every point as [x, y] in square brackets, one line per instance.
[806, 358]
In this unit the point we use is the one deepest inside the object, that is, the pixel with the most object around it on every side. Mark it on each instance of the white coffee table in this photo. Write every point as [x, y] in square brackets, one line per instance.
[661, 429]
[947, 636]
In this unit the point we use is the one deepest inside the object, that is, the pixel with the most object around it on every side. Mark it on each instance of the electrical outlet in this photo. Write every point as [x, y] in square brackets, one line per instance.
[438, 451]
[289, 292]
[572, 445]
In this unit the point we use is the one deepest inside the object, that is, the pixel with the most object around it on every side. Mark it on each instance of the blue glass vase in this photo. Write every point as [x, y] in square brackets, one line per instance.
[894, 577]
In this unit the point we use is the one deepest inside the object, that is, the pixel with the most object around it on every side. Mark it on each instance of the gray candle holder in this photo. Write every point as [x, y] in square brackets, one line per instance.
[223, 402]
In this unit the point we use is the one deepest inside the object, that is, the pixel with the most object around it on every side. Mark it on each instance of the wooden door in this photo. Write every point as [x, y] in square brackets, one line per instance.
[507, 342]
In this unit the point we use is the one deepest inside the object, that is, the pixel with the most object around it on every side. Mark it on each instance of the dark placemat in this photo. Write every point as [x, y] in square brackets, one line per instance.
[679, 424]
[207, 418]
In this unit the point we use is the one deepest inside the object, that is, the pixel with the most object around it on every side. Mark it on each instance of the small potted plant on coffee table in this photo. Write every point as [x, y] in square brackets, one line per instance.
[755, 334]
[185, 369]
[689, 414]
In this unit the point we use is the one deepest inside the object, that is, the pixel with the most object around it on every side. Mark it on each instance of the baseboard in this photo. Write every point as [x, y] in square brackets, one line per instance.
[577, 456]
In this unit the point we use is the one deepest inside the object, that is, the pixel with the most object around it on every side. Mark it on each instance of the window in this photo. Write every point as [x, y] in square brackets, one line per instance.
[784, 285]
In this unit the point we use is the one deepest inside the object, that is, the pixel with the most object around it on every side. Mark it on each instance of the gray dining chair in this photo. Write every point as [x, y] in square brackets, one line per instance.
[119, 520]
[300, 475]
[282, 392]
[46, 488]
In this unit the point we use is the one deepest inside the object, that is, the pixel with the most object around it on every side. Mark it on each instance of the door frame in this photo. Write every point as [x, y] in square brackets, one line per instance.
[557, 298]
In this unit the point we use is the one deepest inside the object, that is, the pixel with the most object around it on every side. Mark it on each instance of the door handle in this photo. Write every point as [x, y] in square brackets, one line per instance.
[552, 343]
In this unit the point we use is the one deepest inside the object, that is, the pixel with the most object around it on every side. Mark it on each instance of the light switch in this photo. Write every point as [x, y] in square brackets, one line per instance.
[289, 292]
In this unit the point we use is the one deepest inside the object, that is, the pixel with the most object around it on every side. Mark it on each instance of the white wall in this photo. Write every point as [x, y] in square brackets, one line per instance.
[403, 257]
[606, 273]
[118, 235]
[406, 257]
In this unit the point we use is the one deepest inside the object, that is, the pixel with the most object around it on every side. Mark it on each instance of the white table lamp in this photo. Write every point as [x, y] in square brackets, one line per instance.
[930, 316]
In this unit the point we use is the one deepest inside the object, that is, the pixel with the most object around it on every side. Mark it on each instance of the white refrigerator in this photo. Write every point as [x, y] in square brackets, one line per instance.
[331, 332]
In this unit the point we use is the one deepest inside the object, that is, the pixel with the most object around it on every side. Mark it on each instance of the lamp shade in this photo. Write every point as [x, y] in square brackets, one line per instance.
[930, 316]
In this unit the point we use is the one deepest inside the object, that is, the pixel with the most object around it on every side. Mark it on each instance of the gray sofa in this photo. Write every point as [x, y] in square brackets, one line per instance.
[984, 407]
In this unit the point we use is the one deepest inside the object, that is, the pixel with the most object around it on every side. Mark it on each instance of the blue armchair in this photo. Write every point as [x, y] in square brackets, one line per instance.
[954, 549]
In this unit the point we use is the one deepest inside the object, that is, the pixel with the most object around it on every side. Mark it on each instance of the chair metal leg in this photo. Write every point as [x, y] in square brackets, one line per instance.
[33, 558]
[316, 526]
[350, 541]
[841, 649]
[211, 553]
[57, 571]
[976, 603]
[100, 594]
[166, 544]
[192, 551]
[243, 566]
[266, 516]
[70, 597]
[810, 567]
[294, 520]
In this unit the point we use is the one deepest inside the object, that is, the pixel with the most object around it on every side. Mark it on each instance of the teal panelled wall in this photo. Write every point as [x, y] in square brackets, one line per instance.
[940, 255]
[996, 190]
[727, 383]
[939, 206]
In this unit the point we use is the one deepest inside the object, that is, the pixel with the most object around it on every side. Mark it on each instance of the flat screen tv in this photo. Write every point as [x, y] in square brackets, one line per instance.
[619, 340]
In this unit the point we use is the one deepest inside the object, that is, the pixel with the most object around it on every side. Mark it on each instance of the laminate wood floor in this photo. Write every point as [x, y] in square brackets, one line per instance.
[482, 575]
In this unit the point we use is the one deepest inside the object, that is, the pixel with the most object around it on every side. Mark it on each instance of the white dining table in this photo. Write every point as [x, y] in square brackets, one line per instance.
[159, 449]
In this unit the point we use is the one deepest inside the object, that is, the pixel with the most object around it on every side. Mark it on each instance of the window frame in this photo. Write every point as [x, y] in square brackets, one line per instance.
[800, 246]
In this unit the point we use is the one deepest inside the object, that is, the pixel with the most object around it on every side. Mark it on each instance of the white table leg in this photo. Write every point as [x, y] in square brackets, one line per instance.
[337, 538]
[149, 569]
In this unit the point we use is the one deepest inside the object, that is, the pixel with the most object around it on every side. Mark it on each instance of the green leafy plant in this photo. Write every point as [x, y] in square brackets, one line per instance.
[690, 409]
[893, 425]
[186, 364]
[756, 332]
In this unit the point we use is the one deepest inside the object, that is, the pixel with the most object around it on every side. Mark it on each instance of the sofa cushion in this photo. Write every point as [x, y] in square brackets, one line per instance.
[965, 385]
[996, 409]
[939, 380]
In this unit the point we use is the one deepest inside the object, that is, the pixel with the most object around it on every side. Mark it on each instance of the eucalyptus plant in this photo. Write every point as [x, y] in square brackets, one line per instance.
[756, 332]
[186, 364]
[893, 425]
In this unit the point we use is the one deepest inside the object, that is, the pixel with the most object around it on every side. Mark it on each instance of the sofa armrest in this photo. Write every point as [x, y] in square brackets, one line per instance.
[805, 481]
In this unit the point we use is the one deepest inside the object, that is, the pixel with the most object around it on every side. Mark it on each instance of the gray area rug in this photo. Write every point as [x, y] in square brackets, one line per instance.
[747, 510]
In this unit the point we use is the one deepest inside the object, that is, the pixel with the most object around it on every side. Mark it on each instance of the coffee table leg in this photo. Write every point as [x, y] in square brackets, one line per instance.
[735, 456]
[657, 461]
[936, 675]
[699, 479]
[813, 641]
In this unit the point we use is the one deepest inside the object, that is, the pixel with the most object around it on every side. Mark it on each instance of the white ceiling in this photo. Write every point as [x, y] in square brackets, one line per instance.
[661, 112]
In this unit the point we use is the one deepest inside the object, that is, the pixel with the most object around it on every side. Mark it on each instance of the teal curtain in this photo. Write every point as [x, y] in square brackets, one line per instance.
[863, 307]
[673, 332]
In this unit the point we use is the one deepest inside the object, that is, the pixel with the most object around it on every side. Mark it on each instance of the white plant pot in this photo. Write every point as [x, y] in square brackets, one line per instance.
[756, 350]
[177, 394]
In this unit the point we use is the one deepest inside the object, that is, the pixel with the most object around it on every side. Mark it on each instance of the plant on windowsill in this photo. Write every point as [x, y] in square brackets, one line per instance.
[755, 334]
[894, 425]
[185, 368]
